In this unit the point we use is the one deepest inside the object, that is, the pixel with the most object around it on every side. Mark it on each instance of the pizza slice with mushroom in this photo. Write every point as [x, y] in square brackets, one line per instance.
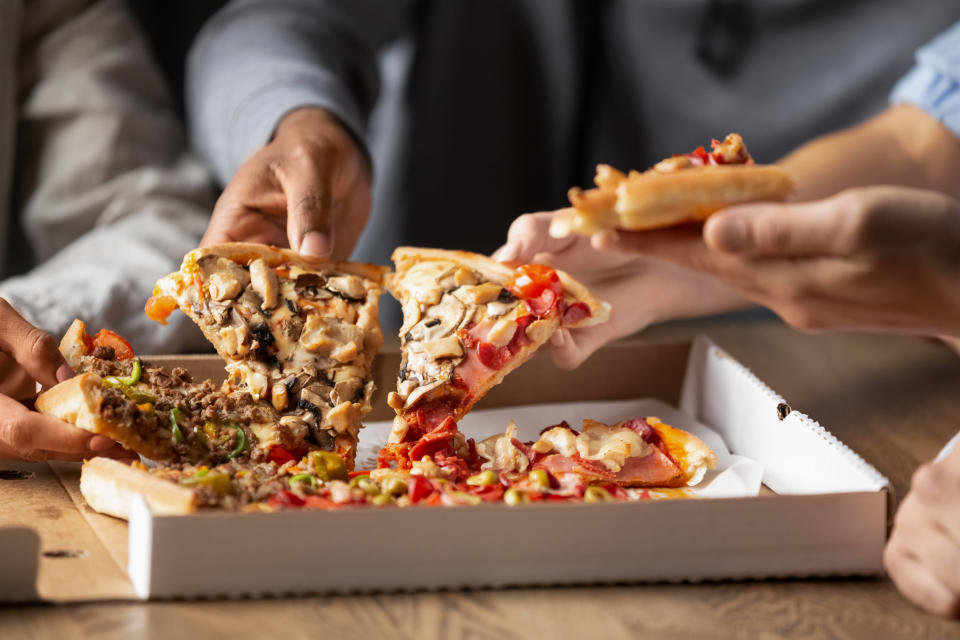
[299, 332]
[468, 321]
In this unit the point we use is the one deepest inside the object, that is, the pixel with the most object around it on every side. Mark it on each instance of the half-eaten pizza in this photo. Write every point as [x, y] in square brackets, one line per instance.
[684, 188]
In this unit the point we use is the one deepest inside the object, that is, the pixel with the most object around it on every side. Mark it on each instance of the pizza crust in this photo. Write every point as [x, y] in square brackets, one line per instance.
[78, 401]
[246, 252]
[108, 486]
[406, 257]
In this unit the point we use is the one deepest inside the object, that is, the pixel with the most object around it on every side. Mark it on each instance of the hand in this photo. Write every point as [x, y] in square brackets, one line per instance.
[309, 189]
[641, 290]
[881, 258]
[923, 553]
[26, 434]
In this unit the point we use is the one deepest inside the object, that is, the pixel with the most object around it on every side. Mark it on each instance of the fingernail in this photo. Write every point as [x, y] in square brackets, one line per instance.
[729, 233]
[64, 372]
[315, 243]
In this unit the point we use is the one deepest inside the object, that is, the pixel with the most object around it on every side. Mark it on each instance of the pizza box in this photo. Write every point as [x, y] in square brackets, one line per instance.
[822, 509]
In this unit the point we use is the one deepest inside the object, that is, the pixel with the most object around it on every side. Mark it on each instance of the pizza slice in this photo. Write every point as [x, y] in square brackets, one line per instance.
[160, 414]
[468, 321]
[642, 452]
[296, 331]
[684, 188]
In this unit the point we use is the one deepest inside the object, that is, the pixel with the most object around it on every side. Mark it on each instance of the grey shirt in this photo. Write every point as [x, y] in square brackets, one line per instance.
[99, 195]
[486, 109]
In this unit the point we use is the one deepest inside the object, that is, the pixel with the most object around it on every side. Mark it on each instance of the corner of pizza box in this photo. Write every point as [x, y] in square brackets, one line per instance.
[624, 369]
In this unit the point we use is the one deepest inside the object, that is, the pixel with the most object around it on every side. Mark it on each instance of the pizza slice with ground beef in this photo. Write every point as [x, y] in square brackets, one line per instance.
[468, 321]
[296, 331]
[687, 187]
[160, 414]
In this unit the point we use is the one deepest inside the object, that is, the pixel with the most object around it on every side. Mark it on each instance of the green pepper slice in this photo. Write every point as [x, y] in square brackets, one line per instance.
[175, 425]
[303, 477]
[329, 466]
[241, 442]
[219, 482]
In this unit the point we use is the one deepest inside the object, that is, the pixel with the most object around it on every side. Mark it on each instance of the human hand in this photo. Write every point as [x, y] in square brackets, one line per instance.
[308, 188]
[923, 553]
[881, 258]
[29, 354]
[641, 290]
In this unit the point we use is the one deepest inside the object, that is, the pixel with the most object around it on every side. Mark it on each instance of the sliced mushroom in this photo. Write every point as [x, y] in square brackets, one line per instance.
[440, 320]
[479, 294]
[420, 392]
[345, 390]
[497, 308]
[310, 286]
[324, 334]
[448, 347]
[343, 416]
[316, 395]
[464, 276]
[411, 316]
[540, 330]
[263, 279]
[348, 286]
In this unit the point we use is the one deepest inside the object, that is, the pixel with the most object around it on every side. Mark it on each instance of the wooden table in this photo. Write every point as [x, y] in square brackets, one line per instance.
[894, 400]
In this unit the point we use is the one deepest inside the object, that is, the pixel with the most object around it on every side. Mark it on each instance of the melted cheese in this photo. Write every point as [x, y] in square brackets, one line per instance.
[610, 446]
[501, 453]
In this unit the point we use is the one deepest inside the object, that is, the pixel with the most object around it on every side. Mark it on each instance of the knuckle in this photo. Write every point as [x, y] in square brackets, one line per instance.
[772, 235]
[42, 345]
[16, 433]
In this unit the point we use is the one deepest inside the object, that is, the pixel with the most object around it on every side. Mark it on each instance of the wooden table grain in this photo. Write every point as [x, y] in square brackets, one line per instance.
[895, 400]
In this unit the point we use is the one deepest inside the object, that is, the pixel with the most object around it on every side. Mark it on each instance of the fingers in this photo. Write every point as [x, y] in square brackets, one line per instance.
[917, 583]
[569, 349]
[30, 435]
[35, 350]
[528, 236]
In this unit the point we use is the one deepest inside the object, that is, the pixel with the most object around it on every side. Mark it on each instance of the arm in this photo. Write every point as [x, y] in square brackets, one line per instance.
[278, 96]
[110, 198]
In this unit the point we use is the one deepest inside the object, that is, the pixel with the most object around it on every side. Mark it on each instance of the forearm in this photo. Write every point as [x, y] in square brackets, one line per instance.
[902, 146]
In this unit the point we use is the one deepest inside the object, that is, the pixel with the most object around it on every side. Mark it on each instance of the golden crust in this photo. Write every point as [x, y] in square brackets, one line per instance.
[109, 486]
[405, 257]
[655, 199]
[246, 252]
[691, 453]
[78, 401]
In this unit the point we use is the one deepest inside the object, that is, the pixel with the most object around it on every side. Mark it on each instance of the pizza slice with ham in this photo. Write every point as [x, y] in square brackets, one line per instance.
[296, 331]
[468, 321]
[641, 452]
[687, 187]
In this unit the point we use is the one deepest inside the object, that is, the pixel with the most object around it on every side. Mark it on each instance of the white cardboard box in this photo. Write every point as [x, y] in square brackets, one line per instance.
[829, 516]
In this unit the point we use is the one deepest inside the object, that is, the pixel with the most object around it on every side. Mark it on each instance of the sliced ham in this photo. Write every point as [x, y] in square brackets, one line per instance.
[650, 470]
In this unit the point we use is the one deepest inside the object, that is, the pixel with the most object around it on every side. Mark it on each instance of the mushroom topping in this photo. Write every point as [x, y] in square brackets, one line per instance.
[464, 276]
[224, 285]
[314, 396]
[479, 294]
[540, 330]
[440, 320]
[502, 331]
[417, 394]
[349, 286]
[497, 308]
[310, 286]
[448, 347]
[345, 390]
[292, 431]
[345, 352]
[324, 335]
[263, 279]
[411, 316]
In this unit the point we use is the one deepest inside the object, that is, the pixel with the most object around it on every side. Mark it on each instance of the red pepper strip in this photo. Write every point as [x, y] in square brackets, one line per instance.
[285, 499]
[280, 455]
[121, 348]
[418, 488]
[319, 502]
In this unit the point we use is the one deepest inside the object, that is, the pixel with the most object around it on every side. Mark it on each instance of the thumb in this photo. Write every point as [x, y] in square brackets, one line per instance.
[528, 236]
[309, 213]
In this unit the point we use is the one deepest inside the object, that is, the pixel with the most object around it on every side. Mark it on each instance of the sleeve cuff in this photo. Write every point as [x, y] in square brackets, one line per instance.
[936, 93]
[255, 119]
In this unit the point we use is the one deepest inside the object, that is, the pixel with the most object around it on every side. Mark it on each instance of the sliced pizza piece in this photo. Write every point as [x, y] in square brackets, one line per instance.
[160, 414]
[684, 188]
[642, 452]
[297, 331]
[468, 321]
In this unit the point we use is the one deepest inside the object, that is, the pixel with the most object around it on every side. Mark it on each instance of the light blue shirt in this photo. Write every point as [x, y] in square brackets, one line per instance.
[934, 83]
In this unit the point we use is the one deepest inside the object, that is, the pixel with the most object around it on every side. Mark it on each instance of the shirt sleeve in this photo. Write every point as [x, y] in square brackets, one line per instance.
[934, 82]
[257, 60]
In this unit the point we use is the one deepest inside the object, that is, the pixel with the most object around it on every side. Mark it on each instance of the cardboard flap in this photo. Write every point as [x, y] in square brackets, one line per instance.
[799, 456]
